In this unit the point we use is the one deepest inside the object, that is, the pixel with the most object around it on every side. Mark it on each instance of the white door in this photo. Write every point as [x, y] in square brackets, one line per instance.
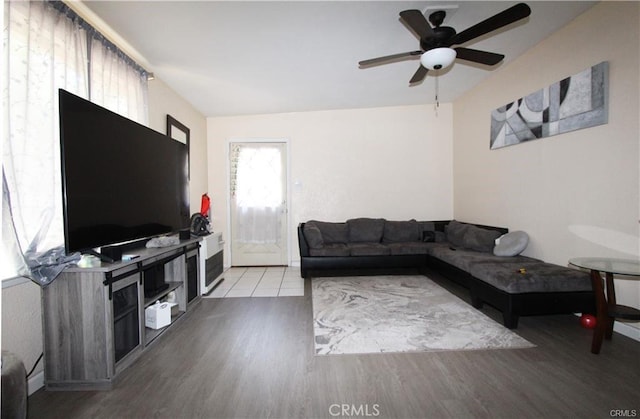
[258, 203]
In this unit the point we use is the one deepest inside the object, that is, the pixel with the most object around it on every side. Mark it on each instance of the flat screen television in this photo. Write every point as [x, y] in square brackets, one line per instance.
[121, 181]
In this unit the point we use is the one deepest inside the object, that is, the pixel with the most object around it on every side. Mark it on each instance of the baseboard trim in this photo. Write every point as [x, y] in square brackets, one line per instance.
[35, 383]
[627, 330]
[624, 329]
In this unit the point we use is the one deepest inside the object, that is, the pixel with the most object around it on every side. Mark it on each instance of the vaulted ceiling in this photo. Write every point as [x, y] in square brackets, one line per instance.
[241, 57]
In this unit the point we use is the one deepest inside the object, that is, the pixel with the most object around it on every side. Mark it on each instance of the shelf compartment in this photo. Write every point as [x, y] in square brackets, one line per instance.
[150, 334]
[172, 287]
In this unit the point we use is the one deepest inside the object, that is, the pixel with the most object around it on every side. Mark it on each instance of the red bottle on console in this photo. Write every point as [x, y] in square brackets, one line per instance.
[205, 206]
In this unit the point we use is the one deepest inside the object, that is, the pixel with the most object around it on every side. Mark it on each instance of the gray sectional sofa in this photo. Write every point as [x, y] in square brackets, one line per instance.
[465, 253]
[363, 245]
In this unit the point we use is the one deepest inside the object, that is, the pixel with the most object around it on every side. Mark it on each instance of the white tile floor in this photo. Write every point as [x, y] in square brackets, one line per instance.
[259, 282]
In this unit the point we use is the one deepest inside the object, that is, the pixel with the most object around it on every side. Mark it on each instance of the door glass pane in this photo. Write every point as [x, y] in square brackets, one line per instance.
[258, 204]
[125, 320]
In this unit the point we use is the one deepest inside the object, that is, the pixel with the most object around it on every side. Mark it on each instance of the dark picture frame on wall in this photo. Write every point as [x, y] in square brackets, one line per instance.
[180, 132]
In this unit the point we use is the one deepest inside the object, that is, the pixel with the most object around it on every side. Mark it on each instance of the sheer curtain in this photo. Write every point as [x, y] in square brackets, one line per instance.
[46, 48]
[256, 181]
[116, 82]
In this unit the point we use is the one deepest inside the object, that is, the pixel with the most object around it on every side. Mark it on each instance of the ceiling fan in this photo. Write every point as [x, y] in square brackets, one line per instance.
[436, 42]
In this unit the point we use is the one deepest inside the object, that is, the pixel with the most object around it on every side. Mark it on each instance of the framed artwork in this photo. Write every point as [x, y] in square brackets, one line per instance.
[180, 132]
[576, 102]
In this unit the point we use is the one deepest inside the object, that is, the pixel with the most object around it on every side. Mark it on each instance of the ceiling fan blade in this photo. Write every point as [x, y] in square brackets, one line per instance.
[382, 60]
[510, 15]
[416, 20]
[477, 56]
[419, 75]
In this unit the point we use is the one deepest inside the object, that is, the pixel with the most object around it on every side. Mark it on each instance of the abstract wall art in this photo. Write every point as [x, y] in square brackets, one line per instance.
[576, 102]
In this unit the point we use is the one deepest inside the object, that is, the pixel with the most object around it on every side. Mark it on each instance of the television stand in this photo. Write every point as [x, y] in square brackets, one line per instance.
[100, 307]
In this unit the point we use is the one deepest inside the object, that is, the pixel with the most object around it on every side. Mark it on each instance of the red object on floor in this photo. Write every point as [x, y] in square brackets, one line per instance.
[588, 321]
[205, 205]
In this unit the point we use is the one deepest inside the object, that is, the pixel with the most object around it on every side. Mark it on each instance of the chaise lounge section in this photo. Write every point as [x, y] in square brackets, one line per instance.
[516, 285]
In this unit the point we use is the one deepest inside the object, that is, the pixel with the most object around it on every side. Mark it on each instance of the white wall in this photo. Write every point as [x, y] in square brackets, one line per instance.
[385, 162]
[576, 194]
[22, 326]
[21, 305]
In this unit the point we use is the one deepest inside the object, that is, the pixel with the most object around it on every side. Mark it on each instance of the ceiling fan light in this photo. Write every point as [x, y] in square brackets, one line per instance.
[438, 58]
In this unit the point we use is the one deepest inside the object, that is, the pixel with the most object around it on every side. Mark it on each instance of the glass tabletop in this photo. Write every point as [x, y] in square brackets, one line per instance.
[615, 266]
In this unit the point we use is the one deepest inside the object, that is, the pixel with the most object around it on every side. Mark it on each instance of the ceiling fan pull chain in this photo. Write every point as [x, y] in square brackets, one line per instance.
[437, 90]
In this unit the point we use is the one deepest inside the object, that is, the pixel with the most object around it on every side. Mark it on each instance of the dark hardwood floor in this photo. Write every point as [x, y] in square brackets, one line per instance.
[254, 358]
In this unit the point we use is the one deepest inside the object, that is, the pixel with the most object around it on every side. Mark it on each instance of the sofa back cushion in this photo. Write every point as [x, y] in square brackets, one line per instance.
[469, 236]
[331, 232]
[365, 230]
[428, 231]
[427, 225]
[455, 233]
[402, 231]
[313, 235]
[480, 239]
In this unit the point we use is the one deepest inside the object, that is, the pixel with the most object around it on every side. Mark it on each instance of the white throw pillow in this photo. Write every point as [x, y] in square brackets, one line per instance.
[511, 244]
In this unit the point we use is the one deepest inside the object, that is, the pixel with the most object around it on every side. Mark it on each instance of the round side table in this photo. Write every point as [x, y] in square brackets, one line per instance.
[607, 308]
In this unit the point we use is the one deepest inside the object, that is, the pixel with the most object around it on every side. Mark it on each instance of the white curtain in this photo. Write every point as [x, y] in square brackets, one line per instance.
[44, 51]
[257, 191]
[45, 48]
[116, 84]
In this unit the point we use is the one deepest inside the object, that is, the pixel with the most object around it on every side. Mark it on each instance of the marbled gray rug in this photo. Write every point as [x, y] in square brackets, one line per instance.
[355, 315]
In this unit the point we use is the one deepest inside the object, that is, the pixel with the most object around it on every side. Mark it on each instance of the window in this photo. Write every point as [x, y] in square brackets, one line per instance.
[47, 47]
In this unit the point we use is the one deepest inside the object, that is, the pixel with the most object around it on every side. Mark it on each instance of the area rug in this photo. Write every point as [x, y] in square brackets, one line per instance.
[357, 315]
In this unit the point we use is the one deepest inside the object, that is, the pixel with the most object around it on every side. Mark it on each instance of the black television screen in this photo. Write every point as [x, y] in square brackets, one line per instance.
[121, 181]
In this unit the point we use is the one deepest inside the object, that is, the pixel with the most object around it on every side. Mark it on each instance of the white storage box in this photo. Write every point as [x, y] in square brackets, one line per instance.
[158, 315]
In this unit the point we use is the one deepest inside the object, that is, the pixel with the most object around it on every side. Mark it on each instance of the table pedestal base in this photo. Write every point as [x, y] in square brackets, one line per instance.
[607, 310]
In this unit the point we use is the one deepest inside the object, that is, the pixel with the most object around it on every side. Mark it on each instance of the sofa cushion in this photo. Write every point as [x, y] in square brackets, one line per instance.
[429, 236]
[401, 231]
[463, 259]
[335, 249]
[410, 248]
[455, 232]
[427, 225]
[511, 244]
[333, 232]
[480, 239]
[469, 236]
[369, 249]
[313, 235]
[365, 230]
[433, 247]
[537, 277]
